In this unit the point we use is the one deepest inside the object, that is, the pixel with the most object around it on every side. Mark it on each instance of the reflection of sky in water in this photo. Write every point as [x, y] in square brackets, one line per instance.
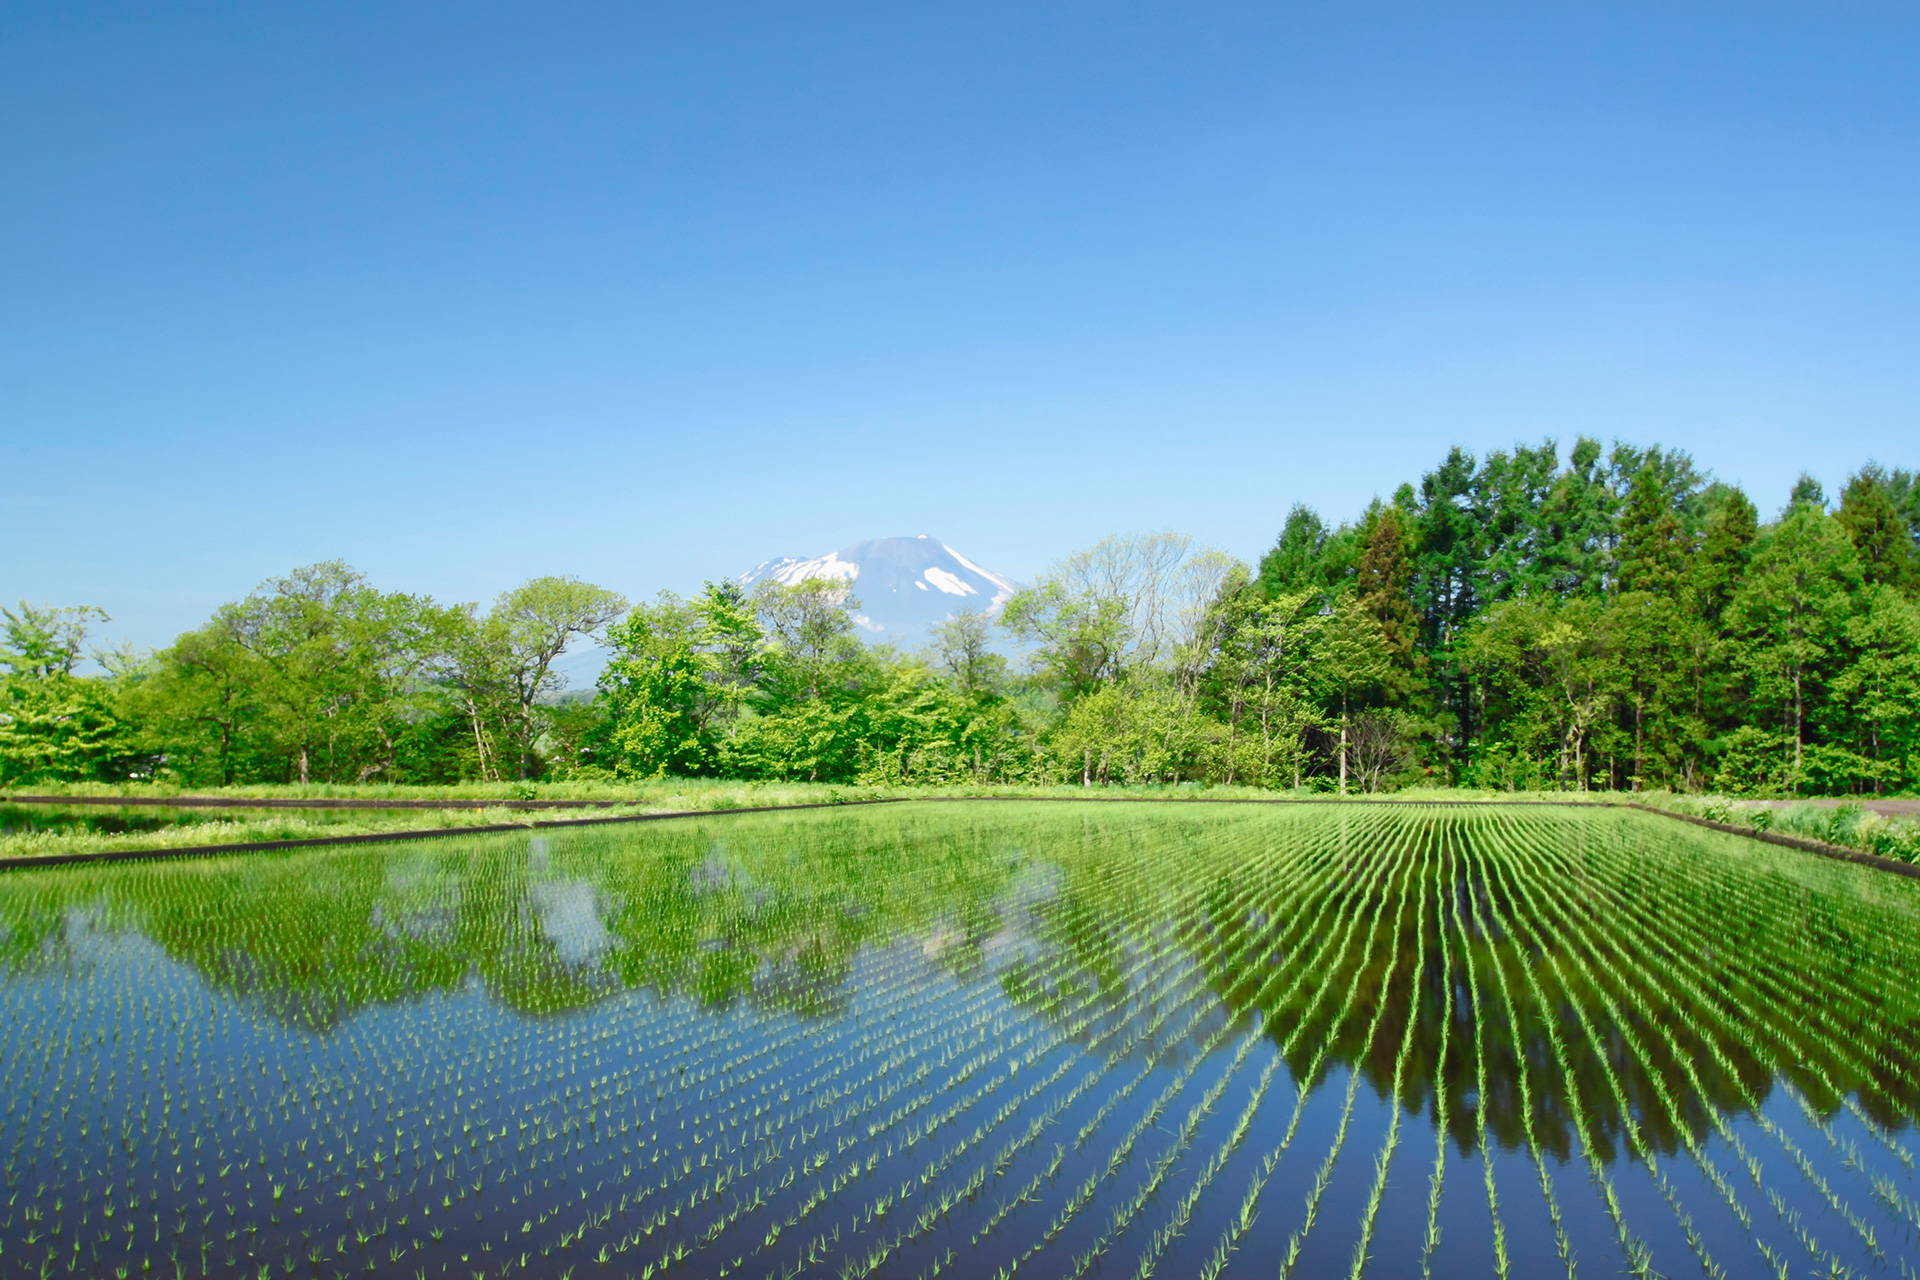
[570, 917]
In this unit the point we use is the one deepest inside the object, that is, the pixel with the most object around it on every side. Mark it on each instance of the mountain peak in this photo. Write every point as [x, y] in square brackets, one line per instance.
[905, 585]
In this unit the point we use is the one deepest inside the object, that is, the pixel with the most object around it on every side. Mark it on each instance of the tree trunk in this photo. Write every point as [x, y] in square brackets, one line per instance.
[1233, 723]
[1638, 708]
[1873, 735]
[1266, 732]
[526, 740]
[480, 744]
[1799, 728]
[303, 764]
[1343, 746]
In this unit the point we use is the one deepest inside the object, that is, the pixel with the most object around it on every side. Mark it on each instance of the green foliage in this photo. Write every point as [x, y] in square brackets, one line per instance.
[43, 642]
[1308, 555]
[1880, 532]
[661, 690]
[57, 728]
[1610, 619]
[54, 726]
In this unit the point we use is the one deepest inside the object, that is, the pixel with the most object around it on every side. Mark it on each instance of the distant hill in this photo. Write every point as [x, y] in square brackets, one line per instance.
[905, 585]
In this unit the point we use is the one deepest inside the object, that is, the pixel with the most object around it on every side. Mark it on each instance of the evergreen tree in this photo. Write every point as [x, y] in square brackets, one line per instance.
[1733, 522]
[1382, 583]
[1653, 549]
[1807, 492]
[1447, 580]
[1878, 530]
[1307, 554]
[1576, 526]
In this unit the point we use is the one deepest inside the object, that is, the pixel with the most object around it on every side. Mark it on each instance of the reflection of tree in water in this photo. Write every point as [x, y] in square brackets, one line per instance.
[1588, 968]
[774, 915]
[1058, 910]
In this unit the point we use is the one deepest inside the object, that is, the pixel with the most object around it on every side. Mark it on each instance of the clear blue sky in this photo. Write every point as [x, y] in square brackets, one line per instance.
[465, 294]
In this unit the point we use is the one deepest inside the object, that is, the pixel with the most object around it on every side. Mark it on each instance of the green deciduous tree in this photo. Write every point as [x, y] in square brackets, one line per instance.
[1789, 618]
[1351, 660]
[1546, 660]
[963, 647]
[527, 628]
[679, 675]
[1877, 694]
[1260, 684]
[656, 687]
[54, 725]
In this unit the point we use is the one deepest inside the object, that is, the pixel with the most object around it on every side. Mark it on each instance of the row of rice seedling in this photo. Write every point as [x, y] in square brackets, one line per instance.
[1401, 901]
[1618, 961]
[1636, 971]
[1184, 1206]
[1117, 1157]
[1309, 1076]
[1657, 978]
[1518, 922]
[973, 1185]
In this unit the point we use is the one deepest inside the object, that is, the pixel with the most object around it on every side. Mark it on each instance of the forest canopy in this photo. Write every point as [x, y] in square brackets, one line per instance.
[1616, 620]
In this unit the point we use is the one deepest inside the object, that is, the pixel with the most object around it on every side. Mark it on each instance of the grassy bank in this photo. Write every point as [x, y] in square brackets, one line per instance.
[1845, 825]
[672, 795]
[243, 826]
[720, 793]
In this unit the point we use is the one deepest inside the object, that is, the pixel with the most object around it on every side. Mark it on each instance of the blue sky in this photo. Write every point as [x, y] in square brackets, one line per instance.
[464, 294]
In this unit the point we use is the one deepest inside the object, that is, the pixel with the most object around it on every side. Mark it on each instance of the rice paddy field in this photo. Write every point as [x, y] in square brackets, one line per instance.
[970, 1039]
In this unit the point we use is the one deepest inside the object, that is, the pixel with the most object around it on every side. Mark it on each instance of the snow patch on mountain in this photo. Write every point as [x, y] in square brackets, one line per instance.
[949, 584]
[790, 570]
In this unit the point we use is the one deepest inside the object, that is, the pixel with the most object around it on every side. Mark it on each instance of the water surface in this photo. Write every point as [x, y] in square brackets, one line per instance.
[1174, 1039]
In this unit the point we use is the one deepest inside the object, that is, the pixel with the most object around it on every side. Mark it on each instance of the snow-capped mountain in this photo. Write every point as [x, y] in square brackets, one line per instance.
[904, 585]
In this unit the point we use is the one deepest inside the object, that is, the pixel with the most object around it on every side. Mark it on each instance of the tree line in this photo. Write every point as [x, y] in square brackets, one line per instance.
[1614, 621]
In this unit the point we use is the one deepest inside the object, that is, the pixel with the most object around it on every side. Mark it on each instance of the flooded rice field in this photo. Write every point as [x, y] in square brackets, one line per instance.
[971, 1039]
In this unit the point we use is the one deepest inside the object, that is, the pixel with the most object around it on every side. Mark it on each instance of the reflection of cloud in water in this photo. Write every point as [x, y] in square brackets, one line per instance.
[411, 871]
[417, 906]
[713, 873]
[85, 938]
[432, 921]
[941, 939]
[1017, 938]
[570, 916]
